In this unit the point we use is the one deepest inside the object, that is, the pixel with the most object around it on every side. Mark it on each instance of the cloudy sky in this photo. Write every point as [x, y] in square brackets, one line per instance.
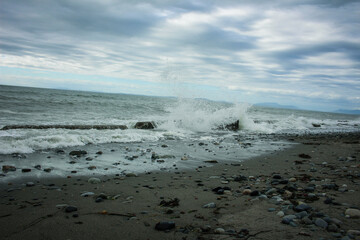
[303, 53]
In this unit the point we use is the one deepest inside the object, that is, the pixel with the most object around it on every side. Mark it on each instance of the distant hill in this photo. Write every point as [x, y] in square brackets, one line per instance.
[276, 105]
[347, 111]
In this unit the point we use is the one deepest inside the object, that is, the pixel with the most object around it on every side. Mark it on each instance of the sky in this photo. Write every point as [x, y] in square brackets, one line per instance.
[302, 53]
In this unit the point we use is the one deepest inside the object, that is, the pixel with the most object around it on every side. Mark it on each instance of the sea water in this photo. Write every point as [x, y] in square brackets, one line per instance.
[188, 131]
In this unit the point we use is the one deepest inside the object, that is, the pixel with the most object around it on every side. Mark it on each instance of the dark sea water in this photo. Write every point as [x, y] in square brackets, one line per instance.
[188, 127]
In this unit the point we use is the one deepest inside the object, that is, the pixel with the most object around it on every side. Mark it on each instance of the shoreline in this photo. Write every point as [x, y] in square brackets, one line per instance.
[249, 197]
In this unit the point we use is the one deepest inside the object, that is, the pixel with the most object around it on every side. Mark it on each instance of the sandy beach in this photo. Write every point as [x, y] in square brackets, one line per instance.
[308, 191]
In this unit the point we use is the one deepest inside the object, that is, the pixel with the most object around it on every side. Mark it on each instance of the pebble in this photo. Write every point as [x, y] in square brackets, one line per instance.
[332, 228]
[288, 218]
[164, 226]
[86, 194]
[352, 213]
[292, 179]
[210, 205]
[26, 170]
[246, 192]
[219, 231]
[321, 223]
[271, 209]
[280, 213]
[94, 180]
[301, 215]
[302, 207]
[70, 209]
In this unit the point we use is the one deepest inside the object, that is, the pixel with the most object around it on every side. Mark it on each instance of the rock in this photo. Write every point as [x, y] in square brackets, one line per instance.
[70, 209]
[219, 231]
[235, 126]
[26, 170]
[316, 125]
[99, 152]
[336, 221]
[47, 170]
[164, 226]
[210, 205]
[145, 125]
[321, 223]
[271, 209]
[8, 168]
[92, 167]
[301, 215]
[94, 180]
[306, 221]
[302, 207]
[78, 153]
[352, 213]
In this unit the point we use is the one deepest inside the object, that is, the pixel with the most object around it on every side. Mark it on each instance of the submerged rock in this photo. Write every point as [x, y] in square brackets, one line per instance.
[78, 153]
[94, 180]
[8, 168]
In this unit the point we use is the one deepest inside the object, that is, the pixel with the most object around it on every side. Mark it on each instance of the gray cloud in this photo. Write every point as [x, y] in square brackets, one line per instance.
[267, 46]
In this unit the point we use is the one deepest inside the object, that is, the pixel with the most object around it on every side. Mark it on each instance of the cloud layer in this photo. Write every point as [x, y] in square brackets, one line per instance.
[302, 52]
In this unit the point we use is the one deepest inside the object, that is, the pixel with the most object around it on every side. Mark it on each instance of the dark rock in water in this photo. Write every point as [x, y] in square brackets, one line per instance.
[316, 125]
[26, 170]
[70, 209]
[47, 170]
[92, 167]
[60, 151]
[170, 203]
[164, 226]
[8, 168]
[99, 152]
[38, 167]
[78, 153]
[211, 161]
[145, 125]
[235, 126]
[89, 159]
[303, 155]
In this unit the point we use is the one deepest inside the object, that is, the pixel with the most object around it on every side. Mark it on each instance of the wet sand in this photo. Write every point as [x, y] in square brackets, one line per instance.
[313, 183]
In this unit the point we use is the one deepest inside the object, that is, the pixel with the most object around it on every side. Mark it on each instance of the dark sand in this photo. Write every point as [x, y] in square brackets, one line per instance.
[332, 172]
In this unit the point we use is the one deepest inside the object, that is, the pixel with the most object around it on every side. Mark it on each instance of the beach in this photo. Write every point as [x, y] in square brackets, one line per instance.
[307, 191]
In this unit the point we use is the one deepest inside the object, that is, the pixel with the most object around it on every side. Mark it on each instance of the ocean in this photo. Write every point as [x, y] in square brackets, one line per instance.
[188, 131]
